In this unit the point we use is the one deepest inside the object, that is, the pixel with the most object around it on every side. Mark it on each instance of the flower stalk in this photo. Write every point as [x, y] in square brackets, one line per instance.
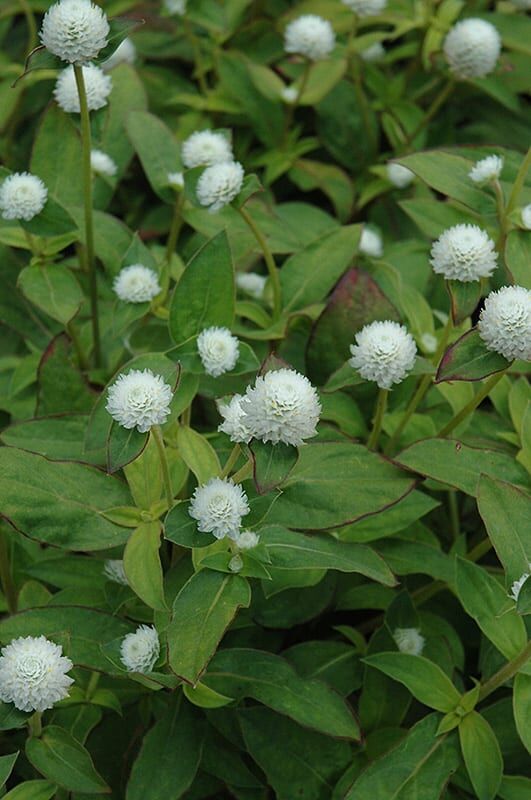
[504, 674]
[159, 442]
[472, 405]
[231, 461]
[270, 262]
[381, 406]
[6, 577]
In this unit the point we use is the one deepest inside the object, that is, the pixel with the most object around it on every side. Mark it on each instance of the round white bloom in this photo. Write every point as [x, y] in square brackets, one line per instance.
[505, 322]
[234, 420]
[464, 253]
[282, 406]
[125, 53]
[399, 176]
[136, 284]
[517, 585]
[366, 8]
[176, 180]
[371, 243]
[251, 283]
[139, 399]
[247, 540]
[102, 164]
[74, 30]
[309, 36]
[374, 53]
[236, 563]
[205, 148]
[219, 185]
[409, 640]
[140, 650]
[526, 216]
[175, 7]
[428, 342]
[218, 350]
[218, 506]
[384, 353]
[33, 673]
[289, 94]
[472, 48]
[486, 170]
[113, 569]
[98, 87]
[22, 196]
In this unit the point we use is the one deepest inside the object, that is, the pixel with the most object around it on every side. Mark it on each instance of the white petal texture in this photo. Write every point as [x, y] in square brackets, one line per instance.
[409, 640]
[399, 176]
[102, 164]
[247, 540]
[136, 284]
[219, 185]
[384, 353]
[234, 424]
[472, 48]
[464, 253]
[309, 36]
[218, 350]
[33, 673]
[113, 569]
[366, 8]
[526, 216]
[486, 170]
[218, 506]
[251, 283]
[140, 650]
[371, 243]
[22, 196]
[98, 87]
[75, 30]
[125, 53]
[505, 322]
[139, 399]
[205, 148]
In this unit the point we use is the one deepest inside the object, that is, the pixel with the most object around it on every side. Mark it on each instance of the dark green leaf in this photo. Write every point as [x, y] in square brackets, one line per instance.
[468, 359]
[63, 760]
[482, 755]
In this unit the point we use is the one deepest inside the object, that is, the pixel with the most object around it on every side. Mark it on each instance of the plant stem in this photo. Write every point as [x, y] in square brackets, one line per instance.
[518, 184]
[441, 98]
[270, 262]
[70, 329]
[159, 441]
[381, 405]
[89, 226]
[31, 242]
[231, 461]
[35, 725]
[92, 685]
[292, 107]
[6, 578]
[194, 44]
[479, 550]
[245, 472]
[30, 22]
[175, 227]
[473, 404]
[505, 673]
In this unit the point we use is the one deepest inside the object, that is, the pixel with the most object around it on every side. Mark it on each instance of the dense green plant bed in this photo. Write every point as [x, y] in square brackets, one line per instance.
[265, 418]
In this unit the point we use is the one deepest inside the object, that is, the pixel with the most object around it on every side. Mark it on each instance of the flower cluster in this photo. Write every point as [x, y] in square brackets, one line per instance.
[409, 640]
[234, 420]
[136, 284]
[22, 196]
[33, 673]
[464, 253]
[384, 353]
[517, 585]
[219, 185]
[75, 30]
[472, 48]
[218, 350]
[139, 399]
[140, 650]
[310, 36]
[98, 87]
[113, 569]
[102, 164]
[251, 283]
[399, 176]
[205, 148]
[218, 506]
[366, 8]
[505, 322]
[486, 170]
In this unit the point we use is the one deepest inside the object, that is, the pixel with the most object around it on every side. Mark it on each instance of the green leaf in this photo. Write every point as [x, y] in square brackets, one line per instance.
[522, 708]
[60, 503]
[518, 257]
[506, 512]
[53, 289]
[424, 679]
[57, 438]
[32, 790]
[11, 717]
[468, 359]
[57, 166]
[272, 464]
[514, 787]
[63, 760]
[332, 180]
[144, 476]
[198, 454]
[464, 297]
[6, 766]
[204, 697]
[205, 294]
[124, 446]
[202, 611]
[142, 565]
[157, 150]
[169, 756]
[481, 752]
[242, 672]
[53, 221]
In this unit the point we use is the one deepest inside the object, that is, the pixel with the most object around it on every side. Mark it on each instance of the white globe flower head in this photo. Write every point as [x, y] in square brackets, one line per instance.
[75, 30]
[505, 322]
[102, 164]
[526, 216]
[399, 176]
[251, 283]
[175, 7]
[247, 540]
[140, 650]
[282, 406]
[22, 196]
[384, 353]
[139, 399]
[125, 53]
[176, 180]
[205, 148]
[409, 640]
[234, 424]
[98, 87]
[516, 587]
[33, 673]
[218, 350]
[113, 569]
[486, 170]
[219, 185]
[371, 243]
[373, 54]
[218, 506]
[366, 8]
[472, 48]
[310, 36]
[289, 94]
[464, 253]
[137, 284]
[428, 342]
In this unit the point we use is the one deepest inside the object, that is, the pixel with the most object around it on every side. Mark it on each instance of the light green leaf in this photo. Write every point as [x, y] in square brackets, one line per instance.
[157, 150]
[424, 679]
[198, 454]
[53, 289]
[482, 755]
[32, 790]
[142, 565]
[522, 708]
[506, 512]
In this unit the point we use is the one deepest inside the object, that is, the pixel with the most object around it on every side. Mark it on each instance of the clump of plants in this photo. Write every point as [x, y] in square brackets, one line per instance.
[265, 409]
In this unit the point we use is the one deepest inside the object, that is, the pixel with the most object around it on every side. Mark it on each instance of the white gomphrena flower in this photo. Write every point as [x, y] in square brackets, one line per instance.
[234, 420]
[516, 587]
[472, 48]
[282, 406]
[366, 8]
[309, 36]
[486, 170]
[205, 148]
[218, 506]
[251, 283]
[75, 30]
[428, 342]
[139, 399]
[247, 540]
[505, 322]
[409, 640]
[33, 673]
[218, 350]
[526, 216]
[136, 284]
[384, 353]
[140, 650]
[176, 180]
[98, 87]
[464, 253]
[22, 196]
[175, 7]
[371, 243]
[125, 53]
[373, 54]
[113, 569]
[219, 185]
[102, 164]
[289, 94]
[399, 176]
